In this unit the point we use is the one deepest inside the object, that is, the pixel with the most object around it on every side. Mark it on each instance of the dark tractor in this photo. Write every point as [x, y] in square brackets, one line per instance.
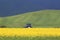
[28, 26]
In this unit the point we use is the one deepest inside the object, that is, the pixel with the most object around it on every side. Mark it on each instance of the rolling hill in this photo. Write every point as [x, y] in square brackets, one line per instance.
[43, 18]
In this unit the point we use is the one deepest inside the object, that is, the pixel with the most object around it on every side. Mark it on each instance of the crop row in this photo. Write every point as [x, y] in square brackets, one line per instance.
[29, 31]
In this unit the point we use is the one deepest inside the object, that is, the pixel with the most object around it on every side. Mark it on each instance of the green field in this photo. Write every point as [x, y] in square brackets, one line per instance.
[43, 18]
[29, 38]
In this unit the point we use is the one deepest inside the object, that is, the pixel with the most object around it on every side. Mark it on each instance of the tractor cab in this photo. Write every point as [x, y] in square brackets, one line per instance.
[28, 25]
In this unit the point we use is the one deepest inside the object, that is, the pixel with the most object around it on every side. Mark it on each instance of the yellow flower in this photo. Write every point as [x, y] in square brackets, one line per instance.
[29, 31]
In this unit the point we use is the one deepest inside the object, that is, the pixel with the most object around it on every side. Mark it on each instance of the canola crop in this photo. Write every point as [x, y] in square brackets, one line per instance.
[29, 31]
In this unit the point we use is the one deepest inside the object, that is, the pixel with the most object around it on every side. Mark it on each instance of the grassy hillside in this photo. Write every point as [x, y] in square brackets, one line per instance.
[43, 18]
[1, 21]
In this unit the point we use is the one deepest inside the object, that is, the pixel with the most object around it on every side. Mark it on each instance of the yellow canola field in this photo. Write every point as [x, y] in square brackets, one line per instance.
[29, 31]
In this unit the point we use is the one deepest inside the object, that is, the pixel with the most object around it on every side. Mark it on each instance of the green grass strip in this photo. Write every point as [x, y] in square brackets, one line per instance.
[29, 38]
